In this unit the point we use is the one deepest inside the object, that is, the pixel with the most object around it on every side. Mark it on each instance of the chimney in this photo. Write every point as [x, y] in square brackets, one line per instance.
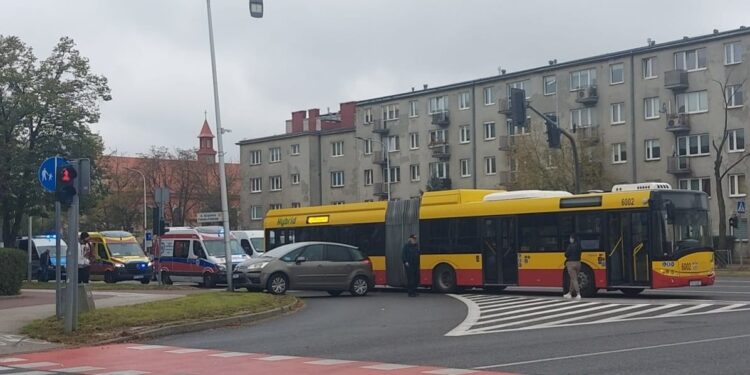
[346, 112]
[298, 119]
[425, 86]
[312, 119]
[716, 31]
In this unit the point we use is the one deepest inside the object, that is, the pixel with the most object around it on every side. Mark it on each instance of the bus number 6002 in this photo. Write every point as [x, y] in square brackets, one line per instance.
[628, 201]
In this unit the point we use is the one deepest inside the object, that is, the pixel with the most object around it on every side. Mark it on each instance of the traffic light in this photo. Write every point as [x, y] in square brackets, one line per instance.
[65, 185]
[733, 222]
[518, 107]
[553, 136]
[162, 227]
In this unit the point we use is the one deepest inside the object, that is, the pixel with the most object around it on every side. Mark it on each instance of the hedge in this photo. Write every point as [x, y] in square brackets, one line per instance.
[12, 271]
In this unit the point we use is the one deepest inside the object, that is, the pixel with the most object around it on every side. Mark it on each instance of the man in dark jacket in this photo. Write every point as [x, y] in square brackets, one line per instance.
[573, 265]
[410, 257]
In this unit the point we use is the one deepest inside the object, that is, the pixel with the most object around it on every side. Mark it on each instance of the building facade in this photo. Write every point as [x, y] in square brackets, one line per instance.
[656, 111]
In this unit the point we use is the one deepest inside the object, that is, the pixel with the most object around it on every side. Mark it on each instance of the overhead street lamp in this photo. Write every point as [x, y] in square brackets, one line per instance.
[144, 200]
[256, 11]
[384, 147]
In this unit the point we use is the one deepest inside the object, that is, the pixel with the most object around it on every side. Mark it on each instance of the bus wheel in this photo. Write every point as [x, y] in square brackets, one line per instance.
[631, 292]
[444, 279]
[208, 280]
[586, 282]
[165, 279]
[109, 277]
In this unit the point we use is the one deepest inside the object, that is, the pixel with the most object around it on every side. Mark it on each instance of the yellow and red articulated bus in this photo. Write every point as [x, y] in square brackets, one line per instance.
[636, 237]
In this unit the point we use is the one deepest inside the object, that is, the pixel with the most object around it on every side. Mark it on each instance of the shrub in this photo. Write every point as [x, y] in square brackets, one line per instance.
[12, 271]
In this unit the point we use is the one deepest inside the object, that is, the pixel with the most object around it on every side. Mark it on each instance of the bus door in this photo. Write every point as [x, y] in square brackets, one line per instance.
[628, 252]
[499, 251]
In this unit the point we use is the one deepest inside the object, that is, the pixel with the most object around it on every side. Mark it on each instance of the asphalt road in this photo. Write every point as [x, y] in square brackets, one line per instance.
[707, 331]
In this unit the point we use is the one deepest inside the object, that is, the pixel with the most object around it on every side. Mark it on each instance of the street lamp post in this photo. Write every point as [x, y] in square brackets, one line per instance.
[144, 201]
[384, 146]
[256, 11]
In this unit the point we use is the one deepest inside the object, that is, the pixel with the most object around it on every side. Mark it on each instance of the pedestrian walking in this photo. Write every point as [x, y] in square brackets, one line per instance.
[410, 257]
[573, 265]
[85, 255]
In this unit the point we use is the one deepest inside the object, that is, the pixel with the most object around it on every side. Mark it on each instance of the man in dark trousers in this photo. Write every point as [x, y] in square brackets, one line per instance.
[410, 257]
[573, 265]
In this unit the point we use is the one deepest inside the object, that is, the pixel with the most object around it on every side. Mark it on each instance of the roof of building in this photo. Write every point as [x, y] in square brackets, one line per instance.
[206, 131]
[293, 135]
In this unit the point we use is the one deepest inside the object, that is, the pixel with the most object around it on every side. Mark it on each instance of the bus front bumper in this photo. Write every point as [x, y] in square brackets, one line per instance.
[660, 280]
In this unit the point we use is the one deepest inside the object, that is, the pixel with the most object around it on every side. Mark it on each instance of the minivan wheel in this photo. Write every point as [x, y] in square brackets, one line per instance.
[277, 284]
[360, 286]
[145, 281]
[335, 293]
[109, 277]
[208, 280]
[165, 279]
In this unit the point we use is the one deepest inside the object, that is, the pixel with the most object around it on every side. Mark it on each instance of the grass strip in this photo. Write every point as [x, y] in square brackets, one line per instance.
[105, 286]
[112, 322]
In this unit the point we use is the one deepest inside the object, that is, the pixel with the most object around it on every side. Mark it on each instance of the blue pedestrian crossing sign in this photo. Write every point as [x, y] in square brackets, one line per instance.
[740, 207]
[48, 170]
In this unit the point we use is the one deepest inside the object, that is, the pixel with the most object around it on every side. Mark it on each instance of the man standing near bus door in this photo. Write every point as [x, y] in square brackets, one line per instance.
[573, 265]
[410, 257]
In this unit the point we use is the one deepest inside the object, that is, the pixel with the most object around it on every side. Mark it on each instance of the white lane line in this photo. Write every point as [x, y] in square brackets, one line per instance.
[3, 368]
[477, 298]
[499, 303]
[147, 347]
[682, 311]
[621, 317]
[35, 364]
[230, 354]
[126, 372]
[695, 292]
[521, 304]
[185, 351]
[449, 371]
[520, 322]
[613, 351]
[274, 358]
[525, 309]
[573, 319]
[79, 369]
[10, 360]
[387, 367]
[549, 312]
[472, 315]
[33, 373]
[729, 308]
[329, 362]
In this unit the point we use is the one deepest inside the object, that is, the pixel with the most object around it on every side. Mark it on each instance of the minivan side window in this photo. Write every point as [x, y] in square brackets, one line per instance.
[313, 253]
[338, 254]
[292, 255]
[246, 246]
[357, 255]
[181, 249]
[198, 250]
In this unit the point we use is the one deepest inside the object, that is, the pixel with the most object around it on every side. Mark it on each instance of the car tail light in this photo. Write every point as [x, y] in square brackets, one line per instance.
[367, 262]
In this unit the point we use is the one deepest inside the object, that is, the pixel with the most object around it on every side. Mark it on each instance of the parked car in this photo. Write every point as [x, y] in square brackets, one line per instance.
[118, 257]
[39, 245]
[327, 266]
[252, 241]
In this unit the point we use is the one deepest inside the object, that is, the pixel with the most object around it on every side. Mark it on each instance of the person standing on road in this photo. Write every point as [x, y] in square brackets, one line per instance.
[84, 258]
[410, 257]
[573, 265]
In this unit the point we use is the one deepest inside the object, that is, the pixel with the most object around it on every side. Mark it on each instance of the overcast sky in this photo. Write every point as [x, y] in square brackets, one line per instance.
[317, 53]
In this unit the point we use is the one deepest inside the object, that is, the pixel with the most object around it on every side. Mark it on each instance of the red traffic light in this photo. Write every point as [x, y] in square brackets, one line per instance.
[66, 174]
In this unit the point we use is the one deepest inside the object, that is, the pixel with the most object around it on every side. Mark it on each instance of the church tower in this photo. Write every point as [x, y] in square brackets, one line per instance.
[206, 152]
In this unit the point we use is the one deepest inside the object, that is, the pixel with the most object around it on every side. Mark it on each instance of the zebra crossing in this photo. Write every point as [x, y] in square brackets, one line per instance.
[494, 313]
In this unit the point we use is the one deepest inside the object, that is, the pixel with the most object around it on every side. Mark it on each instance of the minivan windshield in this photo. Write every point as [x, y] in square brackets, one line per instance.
[281, 250]
[215, 248]
[258, 244]
[125, 250]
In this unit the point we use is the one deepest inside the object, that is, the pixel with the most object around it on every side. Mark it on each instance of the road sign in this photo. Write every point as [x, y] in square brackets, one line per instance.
[149, 235]
[740, 207]
[48, 172]
[210, 217]
[161, 196]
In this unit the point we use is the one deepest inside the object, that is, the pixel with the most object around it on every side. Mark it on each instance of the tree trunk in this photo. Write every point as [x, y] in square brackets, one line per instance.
[722, 208]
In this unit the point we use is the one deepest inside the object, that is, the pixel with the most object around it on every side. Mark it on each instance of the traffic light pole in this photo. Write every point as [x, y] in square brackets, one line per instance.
[58, 269]
[71, 300]
[549, 122]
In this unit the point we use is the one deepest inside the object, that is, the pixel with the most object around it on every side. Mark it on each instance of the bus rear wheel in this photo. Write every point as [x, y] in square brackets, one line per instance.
[444, 279]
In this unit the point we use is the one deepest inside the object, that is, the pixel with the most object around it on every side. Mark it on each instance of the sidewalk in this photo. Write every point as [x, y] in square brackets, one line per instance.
[17, 311]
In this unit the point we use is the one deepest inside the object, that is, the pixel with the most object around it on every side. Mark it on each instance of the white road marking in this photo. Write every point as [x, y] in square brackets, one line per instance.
[185, 351]
[147, 347]
[33, 373]
[534, 302]
[126, 372]
[35, 364]
[524, 309]
[230, 354]
[555, 310]
[3, 368]
[593, 308]
[387, 367]
[587, 316]
[79, 369]
[329, 362]
[685, 310]
[642, 312]
[730, 307]
[613, 351]
[449, 371]
[10, 360]
[273, 358]
[472, 315]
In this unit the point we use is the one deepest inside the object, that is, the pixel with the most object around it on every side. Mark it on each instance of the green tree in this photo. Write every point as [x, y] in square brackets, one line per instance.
[46, 108]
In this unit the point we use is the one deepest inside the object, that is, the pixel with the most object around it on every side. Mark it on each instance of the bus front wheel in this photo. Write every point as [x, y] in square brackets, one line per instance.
[585, 281]
[444, 279]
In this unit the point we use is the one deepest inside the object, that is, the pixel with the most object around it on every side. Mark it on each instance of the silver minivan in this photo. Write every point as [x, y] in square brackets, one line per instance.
[327, 266]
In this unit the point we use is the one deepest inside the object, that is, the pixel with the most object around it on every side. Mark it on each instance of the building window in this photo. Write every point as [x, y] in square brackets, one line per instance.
[582, 78]
[368, 146]
[275, 206]
[256, 213]
[368, 116]
[696, 184]
[648, 67]
[414, 172]
[692, 145]
[295, 178]
[337, 148]
[651, 108]
[737, 185]
[550, 85]
[275, 154]
[489, 131]
[296, 205]
[464, 134]
[619, 153]
[256, 157]
[337, 179]
[256, 185]
[295, 149]
[518, 130]
[368, 177]
[393, 143]
[490, 165]
[413, 141]
[692, 102]
[653, 149]
[439, 170]
[464, 100]
[616, 74]
[413, 109]
[394, 175]
[736, 140]
[521, 85]
[691, 60]
[275, 183]
[734, 96]
[733, 53]
[580, 118]
[616, 113]
[488, 96]
[390, 112]
[437, 104]
[438, 137]
[465, 167]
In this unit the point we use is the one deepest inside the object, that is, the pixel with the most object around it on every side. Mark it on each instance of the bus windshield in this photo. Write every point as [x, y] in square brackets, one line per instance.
[688, 230]
[215, 248]
[125, 250]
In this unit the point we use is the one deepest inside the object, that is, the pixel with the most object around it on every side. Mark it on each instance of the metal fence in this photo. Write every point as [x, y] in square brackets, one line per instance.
[722, 258]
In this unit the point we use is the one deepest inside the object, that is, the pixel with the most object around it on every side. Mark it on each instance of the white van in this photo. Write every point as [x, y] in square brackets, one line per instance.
[39, 245]
[251, 241]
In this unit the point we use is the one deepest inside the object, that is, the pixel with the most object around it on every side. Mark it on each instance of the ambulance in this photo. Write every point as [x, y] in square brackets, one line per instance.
[118, 257]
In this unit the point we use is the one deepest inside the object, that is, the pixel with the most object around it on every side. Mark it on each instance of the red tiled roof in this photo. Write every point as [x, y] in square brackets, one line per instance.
[206, 131]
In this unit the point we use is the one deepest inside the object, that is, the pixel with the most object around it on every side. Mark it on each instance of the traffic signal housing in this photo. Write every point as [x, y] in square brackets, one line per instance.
[518, 106]
[65, 184]
[733, 222]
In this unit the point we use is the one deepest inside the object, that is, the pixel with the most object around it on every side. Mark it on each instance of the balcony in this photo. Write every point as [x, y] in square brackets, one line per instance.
[508, 177]
[379, 127]
[507, 142]
[441, 118]
[589, 134]
[678, 122]
[437, 183]
[676, 80]
[441, 152]
[381, 189]
[678, 165]
[379, 157]
[588, 96]
[504, 107]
